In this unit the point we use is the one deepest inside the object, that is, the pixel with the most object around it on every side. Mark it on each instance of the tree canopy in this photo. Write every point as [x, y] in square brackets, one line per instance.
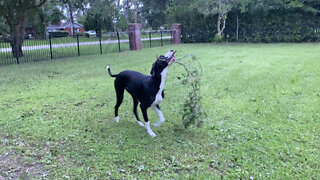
[201, 20]
[14, 13]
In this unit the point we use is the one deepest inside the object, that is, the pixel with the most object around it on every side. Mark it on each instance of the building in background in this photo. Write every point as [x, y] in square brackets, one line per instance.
[66, 26]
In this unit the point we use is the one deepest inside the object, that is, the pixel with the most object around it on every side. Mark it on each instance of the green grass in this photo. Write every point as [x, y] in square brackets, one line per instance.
[262, 101]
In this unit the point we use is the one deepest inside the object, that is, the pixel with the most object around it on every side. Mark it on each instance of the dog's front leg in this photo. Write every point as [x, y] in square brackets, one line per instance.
[160, 116]
[145, 116]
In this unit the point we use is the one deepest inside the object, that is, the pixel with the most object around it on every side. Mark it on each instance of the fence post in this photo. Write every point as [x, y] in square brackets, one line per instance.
[100, 43]
[50, 43]
[118, 41]
[78, 45]
[176, 33]
[171, 37]
[134, 37]
[150, 38]
[161, 38]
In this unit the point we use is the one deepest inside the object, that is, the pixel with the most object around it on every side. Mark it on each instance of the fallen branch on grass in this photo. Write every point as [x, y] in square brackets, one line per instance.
[192, 111]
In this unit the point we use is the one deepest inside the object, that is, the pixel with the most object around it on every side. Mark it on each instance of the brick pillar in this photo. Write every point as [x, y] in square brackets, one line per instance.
[134, 36]
[176, 33]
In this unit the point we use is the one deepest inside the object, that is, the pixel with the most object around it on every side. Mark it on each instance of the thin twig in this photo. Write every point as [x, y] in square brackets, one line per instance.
[185, 67]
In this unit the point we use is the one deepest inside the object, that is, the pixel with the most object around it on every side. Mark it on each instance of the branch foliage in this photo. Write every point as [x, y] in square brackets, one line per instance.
[192, 114]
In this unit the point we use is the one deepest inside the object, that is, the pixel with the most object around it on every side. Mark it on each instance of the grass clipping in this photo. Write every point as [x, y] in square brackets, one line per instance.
[193, 114]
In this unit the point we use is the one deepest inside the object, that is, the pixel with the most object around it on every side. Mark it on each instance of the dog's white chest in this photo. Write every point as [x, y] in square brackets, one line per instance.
[159, 97]
[157, 100]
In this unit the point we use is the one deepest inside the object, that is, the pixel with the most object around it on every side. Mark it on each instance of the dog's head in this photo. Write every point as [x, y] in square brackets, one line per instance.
[163, 62]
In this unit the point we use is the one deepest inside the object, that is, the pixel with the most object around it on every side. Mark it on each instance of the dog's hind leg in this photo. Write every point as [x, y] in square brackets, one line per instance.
[119, 91]
[160, 116]
[135, 104]
[147, 123]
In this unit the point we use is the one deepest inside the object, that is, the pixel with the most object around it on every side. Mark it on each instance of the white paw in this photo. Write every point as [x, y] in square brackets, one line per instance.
[116, 119]
[140, 123]
[151, 133]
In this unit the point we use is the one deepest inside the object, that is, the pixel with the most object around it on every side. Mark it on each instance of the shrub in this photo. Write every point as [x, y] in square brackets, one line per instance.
[59, 33]
[218, 38]
[82, 34]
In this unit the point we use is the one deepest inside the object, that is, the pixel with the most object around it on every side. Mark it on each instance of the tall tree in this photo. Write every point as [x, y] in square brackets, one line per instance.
[312, 6]
[72, 7]
[55, 15]
[100, 14]
[41, 17]
[215, 7]
[154, 12]
[241, 6]
[14, 13]
[135, 4]
[132, 10]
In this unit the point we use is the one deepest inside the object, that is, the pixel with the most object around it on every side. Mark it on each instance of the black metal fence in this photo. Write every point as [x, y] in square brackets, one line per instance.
[64, 47]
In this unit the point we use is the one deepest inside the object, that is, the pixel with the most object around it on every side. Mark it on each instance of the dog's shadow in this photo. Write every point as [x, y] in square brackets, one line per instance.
[171, 133]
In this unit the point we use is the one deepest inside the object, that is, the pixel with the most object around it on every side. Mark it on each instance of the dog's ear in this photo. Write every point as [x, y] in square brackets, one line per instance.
[153, 71]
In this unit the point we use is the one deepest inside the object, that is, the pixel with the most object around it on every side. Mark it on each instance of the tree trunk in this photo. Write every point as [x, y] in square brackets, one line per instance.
[16, 45]
[43, 32]
[15, 17]
[70, 9]
[114, 27]
[136, 12]
[224, 17]
[17, 37]
[118, 5]
[237, 26]
[219, 25]
[72, 22]
[127, 12]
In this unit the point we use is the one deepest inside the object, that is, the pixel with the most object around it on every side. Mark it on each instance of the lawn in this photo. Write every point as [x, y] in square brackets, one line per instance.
[262, 103]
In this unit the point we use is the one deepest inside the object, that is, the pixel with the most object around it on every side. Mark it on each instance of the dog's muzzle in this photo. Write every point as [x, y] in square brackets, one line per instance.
[170, 58]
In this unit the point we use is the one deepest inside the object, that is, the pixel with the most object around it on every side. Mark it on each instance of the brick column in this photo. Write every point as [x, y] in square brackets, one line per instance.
[176, 33]
[134, 36]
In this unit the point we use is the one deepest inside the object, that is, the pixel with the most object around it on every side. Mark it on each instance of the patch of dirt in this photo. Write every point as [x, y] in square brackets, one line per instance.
[12, 166]
[18, 166]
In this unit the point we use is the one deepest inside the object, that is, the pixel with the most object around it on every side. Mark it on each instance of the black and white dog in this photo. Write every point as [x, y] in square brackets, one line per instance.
[148, 90]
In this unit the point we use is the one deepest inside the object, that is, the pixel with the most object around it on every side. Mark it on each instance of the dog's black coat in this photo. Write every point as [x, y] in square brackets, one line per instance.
[142, 88]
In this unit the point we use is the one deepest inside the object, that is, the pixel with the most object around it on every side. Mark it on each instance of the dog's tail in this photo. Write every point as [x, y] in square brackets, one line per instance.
[112, 75]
